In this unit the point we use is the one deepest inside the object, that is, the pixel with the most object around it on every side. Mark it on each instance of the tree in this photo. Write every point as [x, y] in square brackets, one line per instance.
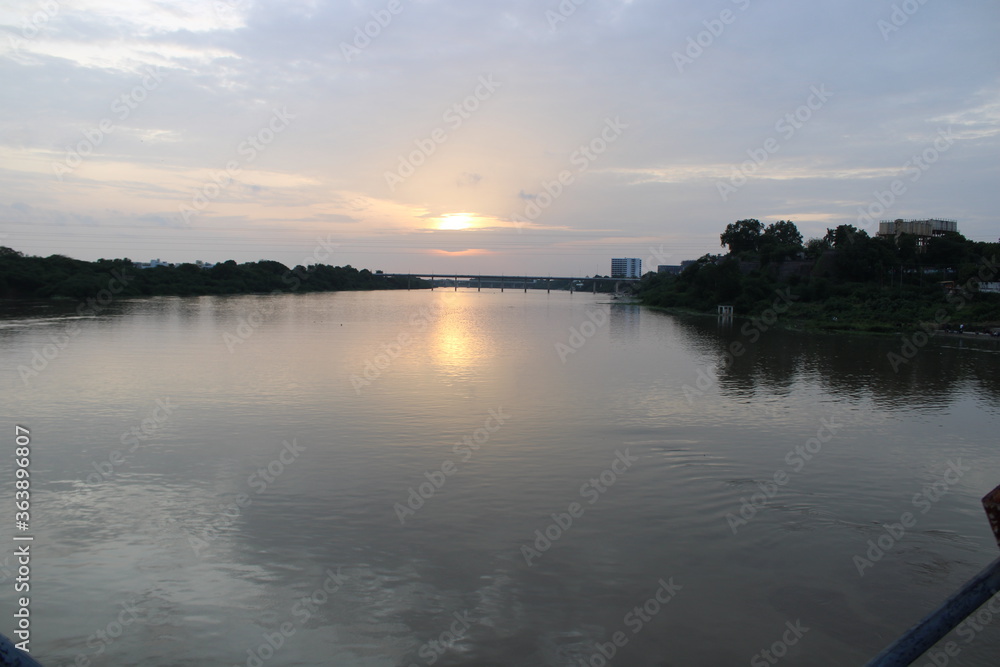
[950, 249]
[816, 247]
[844, 235]
[781, 240]
[225, 270]
[861, 258]
[783, 233]
[742, 236]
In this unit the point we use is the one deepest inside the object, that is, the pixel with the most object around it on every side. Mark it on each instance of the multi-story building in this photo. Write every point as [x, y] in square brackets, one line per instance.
[922, 229]
[626, 267]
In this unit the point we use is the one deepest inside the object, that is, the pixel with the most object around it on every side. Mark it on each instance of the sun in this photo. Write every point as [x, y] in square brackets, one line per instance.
[455, 221]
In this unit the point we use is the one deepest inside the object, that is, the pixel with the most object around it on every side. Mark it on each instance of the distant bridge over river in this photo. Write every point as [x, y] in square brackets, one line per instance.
[503, 281]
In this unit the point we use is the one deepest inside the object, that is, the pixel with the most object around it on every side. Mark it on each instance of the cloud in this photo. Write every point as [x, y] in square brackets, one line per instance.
[468, 179]
[462, 253]
[228, 64]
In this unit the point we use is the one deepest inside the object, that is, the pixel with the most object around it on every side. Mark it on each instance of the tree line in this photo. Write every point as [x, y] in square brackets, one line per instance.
[58, 276]
[846, 279]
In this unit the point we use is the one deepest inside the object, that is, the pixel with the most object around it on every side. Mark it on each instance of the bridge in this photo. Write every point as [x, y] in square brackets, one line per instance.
[504, 281]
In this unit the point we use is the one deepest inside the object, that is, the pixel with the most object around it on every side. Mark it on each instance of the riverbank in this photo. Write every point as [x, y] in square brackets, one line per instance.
[57, 276]
[974, 331]
[818, 305]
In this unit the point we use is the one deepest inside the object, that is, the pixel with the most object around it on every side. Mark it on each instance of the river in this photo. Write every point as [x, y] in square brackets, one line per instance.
[484, 478]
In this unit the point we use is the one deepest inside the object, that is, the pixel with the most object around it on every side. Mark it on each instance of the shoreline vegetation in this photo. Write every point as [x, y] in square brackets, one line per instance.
[784, 322]
[846, 281]
[25, 277]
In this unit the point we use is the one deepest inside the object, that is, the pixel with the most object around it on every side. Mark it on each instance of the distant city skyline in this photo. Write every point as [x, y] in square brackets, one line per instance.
[411, 135]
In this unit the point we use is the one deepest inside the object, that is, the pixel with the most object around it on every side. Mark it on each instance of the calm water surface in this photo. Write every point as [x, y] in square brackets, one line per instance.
[405, 478]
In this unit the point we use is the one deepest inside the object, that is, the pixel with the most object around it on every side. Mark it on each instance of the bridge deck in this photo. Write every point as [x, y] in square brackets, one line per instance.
[484, 276]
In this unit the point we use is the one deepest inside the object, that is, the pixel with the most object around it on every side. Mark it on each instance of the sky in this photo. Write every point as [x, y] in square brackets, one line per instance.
[509, 136]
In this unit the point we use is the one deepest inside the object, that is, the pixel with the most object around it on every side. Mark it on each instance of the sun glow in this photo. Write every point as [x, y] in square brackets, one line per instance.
[456, 221]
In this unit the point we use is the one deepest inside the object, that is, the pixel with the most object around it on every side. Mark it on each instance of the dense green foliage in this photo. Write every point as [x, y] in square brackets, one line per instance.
[845, 280]
[26, 277]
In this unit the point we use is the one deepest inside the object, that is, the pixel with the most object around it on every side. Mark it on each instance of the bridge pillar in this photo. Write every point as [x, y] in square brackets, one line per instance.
[407, 283]
[456, 282]
[432, 281]
[501, 284]
[548, 288]
[595, 287]
[479, 287]
[526, 284]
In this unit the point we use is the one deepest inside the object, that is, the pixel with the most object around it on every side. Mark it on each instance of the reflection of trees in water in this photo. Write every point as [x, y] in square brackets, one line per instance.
[624, 318]
[844, 364]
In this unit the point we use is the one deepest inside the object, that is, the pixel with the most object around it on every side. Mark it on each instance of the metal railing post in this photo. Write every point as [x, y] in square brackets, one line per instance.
[929, 631]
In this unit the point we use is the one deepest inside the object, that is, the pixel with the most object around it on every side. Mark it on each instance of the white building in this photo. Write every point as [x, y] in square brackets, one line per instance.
[151, 264]
[626, 267]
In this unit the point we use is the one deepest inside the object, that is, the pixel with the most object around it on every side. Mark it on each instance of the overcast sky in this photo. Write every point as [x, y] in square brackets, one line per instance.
[504, 136]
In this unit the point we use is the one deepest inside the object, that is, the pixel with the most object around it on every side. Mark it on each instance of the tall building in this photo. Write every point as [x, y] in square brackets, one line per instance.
[626, 267]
